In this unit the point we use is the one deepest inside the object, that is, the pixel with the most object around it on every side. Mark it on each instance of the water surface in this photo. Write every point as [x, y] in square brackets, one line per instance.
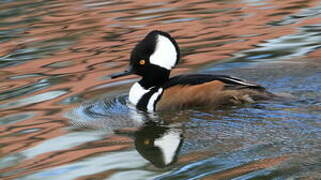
[62, 117]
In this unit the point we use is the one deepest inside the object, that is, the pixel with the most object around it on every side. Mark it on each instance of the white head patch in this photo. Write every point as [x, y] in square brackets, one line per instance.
[165, 54]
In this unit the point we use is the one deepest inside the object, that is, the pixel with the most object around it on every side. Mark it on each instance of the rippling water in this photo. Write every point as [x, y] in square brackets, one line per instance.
[62, 117]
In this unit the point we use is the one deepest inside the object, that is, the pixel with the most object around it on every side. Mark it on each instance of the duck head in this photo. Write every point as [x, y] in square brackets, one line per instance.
[153, 58]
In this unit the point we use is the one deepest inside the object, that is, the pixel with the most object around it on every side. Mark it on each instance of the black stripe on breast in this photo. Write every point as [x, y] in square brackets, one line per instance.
[143, 102]
[195, 79]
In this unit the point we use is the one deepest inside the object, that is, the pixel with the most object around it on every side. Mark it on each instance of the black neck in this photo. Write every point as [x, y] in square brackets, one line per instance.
[155, 79]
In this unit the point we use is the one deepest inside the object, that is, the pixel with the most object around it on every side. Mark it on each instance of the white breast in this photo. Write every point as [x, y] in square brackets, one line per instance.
[136, 93]
[153, 98]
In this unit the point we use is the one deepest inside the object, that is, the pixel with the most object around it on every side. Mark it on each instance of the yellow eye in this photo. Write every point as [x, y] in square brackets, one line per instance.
[146, 141]
[142, 62]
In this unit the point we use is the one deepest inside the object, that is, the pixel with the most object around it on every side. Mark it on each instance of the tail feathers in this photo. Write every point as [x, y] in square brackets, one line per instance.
[252, 96]
[266, 96]
[283, 96]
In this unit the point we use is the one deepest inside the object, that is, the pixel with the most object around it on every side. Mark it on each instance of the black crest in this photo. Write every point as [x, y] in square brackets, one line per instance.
[145, 48]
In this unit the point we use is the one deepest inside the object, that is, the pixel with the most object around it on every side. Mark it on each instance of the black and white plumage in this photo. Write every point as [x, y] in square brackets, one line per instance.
[154, 57]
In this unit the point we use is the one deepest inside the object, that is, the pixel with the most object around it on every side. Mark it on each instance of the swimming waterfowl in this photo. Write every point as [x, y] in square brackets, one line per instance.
[156, 55]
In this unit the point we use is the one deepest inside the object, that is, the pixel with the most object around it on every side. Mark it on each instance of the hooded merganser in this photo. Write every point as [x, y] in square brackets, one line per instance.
[154, 57]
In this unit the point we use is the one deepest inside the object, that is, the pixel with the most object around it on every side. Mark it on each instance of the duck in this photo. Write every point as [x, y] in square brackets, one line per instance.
[156, 55]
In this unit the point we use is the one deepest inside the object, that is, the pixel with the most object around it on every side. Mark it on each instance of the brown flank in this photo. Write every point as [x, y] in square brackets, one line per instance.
[211, 93]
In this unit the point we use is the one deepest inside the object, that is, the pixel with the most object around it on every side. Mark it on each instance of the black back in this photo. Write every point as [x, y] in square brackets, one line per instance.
[195, 79]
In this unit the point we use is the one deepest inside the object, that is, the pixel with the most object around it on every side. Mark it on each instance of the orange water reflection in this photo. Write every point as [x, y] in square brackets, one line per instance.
[71, 46]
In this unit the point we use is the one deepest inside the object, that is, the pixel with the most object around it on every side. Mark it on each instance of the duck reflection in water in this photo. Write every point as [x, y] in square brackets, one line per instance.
[155, 140]
[158, 144]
